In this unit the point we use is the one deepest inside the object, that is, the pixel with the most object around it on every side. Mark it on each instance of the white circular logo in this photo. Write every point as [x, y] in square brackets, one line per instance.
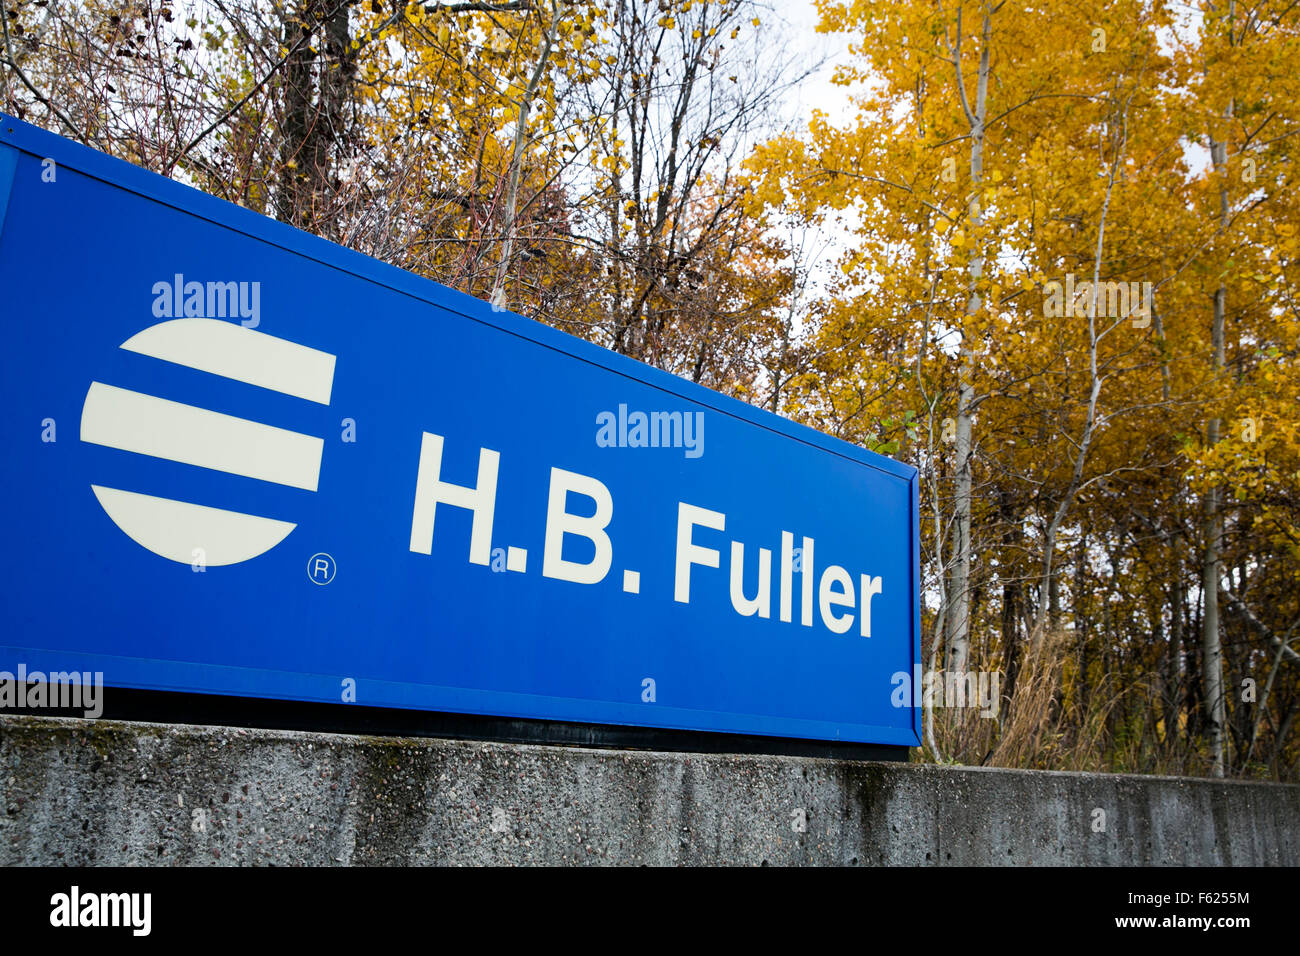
[148, 425]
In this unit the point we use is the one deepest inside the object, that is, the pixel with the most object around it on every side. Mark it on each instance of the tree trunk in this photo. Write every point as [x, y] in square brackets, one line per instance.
[319, 81]
[498, 296]
[958, 619]
[1211, 644]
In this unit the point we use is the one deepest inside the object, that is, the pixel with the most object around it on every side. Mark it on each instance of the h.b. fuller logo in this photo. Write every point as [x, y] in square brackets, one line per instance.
[187, 531]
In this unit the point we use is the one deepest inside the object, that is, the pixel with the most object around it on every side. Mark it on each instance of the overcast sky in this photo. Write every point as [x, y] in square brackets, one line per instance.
[817, 92]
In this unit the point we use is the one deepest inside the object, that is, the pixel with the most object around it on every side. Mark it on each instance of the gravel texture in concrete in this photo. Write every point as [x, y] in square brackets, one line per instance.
[107, 793]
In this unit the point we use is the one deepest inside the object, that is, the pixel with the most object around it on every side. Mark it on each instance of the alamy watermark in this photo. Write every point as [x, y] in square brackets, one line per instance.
[63, 690]
[651, 430]
[133, 911]
[179, 299]
[947, 689]
[1116, 300]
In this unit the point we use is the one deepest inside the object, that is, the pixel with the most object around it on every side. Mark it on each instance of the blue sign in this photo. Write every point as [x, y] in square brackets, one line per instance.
[242, 460]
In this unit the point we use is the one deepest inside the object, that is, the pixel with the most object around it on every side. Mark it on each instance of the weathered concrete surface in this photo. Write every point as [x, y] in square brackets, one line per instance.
[83, 792]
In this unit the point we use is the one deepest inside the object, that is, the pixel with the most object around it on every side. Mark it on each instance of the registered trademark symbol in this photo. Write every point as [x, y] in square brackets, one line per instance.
[321, 568]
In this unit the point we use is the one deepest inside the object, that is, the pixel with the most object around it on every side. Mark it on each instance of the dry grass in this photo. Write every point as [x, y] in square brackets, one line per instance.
[1054, 724]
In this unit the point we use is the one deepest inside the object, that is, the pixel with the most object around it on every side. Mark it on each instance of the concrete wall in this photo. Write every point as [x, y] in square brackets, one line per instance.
[82, 792]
